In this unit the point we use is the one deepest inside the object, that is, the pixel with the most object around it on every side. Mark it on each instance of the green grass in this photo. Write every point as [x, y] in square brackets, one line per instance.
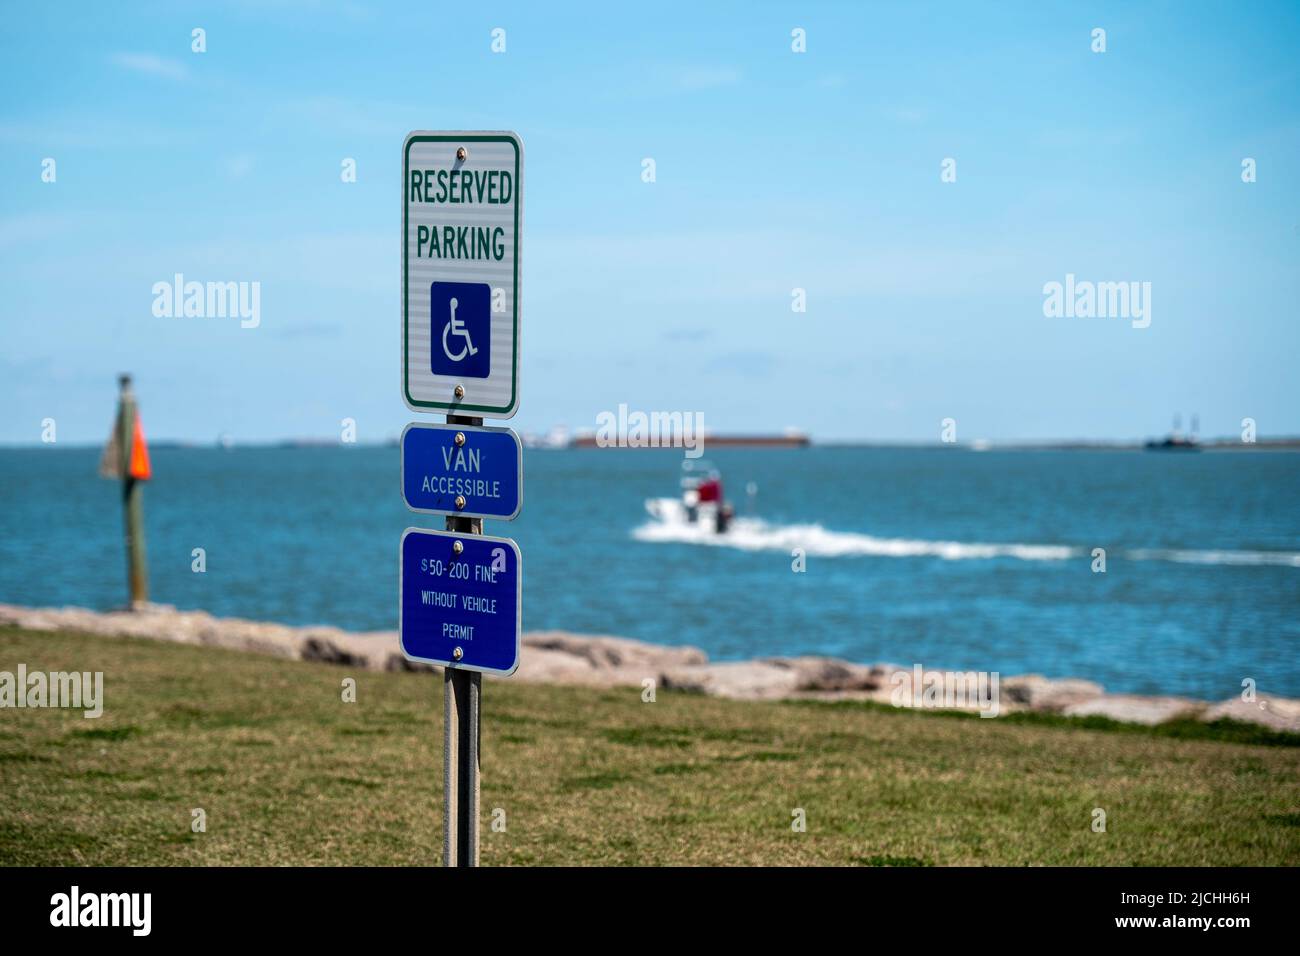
[289, 774]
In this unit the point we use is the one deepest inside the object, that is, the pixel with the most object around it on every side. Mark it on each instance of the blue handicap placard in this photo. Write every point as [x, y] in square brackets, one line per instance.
[462, 470]
[460, 329]
[460, 609]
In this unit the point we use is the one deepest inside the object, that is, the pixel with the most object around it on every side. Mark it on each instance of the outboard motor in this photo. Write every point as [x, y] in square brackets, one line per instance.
[723, 517]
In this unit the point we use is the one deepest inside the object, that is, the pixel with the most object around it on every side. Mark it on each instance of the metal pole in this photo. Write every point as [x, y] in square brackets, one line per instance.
[461, 696]
[132, 498]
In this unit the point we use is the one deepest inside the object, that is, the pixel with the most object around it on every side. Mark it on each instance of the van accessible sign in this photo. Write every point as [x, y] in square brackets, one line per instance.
[462, 215]
[462, 470]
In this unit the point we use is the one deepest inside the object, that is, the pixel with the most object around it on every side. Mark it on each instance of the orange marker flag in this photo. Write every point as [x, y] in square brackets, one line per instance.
[139, 453]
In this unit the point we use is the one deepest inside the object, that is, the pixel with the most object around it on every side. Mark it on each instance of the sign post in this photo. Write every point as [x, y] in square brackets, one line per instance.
[461, 592]
[462, 695]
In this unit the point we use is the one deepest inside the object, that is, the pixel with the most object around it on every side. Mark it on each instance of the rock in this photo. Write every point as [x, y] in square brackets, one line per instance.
[1133, 709]
[339, 647]
[936, 689]
[826, 673]
[771, 678]
[236, 634]
[548, 665]
[1276, 713]
[604, 653]
[739, 680]
[1045, 694]
[558, 657]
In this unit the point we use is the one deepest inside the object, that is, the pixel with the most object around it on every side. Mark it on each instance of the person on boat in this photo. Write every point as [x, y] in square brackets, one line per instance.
[710, 489]
[703, 491]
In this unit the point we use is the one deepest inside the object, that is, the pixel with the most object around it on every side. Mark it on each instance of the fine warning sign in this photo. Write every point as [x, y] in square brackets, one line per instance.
[460, 603]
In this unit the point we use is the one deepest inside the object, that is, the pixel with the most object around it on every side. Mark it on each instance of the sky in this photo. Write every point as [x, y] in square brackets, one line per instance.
[775, 170]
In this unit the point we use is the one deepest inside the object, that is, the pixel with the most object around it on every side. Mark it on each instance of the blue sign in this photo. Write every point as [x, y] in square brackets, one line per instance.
[460, 603]
[462, 470]
[460, 328]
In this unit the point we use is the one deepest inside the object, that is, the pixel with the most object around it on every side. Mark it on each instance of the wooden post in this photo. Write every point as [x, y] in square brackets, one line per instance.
[461, 697]
[132, 498]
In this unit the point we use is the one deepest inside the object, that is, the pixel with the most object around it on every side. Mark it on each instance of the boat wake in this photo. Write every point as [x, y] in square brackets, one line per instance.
[754, 534]
[1276, 558]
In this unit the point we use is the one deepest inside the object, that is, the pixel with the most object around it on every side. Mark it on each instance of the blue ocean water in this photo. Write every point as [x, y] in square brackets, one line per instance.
[947, 557]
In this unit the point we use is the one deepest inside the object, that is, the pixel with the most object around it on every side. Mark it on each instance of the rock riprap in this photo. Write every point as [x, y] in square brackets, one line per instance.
[559, 657]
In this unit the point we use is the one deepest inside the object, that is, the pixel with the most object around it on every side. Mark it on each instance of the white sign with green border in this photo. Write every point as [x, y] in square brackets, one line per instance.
[462, 215]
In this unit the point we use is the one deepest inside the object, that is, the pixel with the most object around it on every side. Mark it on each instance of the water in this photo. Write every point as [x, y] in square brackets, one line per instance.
[955, 559]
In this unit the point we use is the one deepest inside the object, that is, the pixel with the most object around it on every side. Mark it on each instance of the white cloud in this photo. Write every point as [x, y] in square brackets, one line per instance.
[150, 65]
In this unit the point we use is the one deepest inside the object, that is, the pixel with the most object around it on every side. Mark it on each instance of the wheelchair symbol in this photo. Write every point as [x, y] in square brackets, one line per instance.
[457, 327]
[464, 312]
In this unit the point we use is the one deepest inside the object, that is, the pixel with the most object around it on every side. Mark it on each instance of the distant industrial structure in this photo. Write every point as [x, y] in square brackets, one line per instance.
[1176, 440]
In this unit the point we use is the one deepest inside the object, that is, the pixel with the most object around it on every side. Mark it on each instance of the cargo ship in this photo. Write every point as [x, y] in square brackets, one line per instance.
[788, 439]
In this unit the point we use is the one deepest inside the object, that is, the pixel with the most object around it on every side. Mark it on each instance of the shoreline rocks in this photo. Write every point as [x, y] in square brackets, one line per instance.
[559, 657]
[1036, 692]
[1134, 709]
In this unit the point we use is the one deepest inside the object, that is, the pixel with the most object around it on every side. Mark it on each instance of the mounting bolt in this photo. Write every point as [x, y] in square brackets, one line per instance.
[461, 154]
[457, 547]
[459, 391]
[460, 502]
[457, 654]
[460, 438]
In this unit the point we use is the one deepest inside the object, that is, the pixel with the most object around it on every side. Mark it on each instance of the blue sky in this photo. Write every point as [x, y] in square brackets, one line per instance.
[774, 170]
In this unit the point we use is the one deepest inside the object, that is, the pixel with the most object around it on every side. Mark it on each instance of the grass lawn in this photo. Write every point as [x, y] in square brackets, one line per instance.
[288, 773]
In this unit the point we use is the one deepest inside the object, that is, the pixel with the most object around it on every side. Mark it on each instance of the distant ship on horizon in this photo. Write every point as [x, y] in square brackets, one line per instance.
[790, 438]
[1176, 440]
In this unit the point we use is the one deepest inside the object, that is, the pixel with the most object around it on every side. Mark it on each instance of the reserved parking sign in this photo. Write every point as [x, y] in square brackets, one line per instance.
[462, 214]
